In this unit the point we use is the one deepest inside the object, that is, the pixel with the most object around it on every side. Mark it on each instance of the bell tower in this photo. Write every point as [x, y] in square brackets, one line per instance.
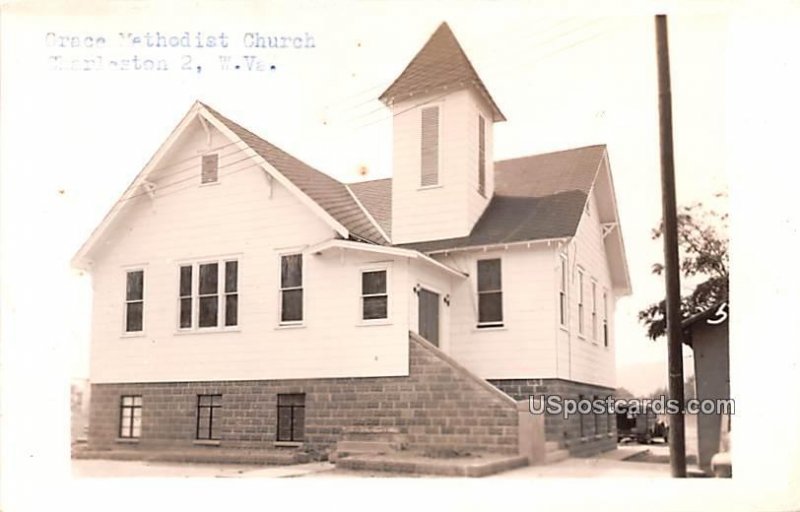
[443, 167]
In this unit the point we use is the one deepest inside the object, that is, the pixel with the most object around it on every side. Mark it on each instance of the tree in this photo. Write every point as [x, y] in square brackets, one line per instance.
[704, 264]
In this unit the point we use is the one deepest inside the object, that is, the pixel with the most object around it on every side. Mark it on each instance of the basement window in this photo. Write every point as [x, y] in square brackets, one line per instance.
[291, 417]
[130, 416]
[134, 301]
[208, 417]
[490, 293]
[210, 168]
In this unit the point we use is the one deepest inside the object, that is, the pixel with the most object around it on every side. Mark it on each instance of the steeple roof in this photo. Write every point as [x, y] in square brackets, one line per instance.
[441, 65]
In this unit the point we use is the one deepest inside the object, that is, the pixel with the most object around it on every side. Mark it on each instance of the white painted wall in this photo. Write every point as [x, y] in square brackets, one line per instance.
[236, 217]
[450, 209]
[525, 346]
[585, 358]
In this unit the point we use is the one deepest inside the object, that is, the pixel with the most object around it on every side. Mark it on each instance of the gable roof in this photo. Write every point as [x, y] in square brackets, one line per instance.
[327, 197]
[440, 64]
[376, 196]
[327, 192]
[537, 197]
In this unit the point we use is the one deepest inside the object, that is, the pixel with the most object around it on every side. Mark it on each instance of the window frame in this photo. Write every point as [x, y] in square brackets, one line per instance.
[211, 406]
[133, 407]
[281, 289]
[203, 181]
[221, 294]
[125, 301]
[291, 408]
[375, 268]
[594, 309]
[493, 324]
[481, 155]
[440, 107]
[581, 304]
[606, 331]
[563, 287]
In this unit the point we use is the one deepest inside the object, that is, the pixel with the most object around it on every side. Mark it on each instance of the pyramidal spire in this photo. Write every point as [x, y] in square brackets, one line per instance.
[440, 65]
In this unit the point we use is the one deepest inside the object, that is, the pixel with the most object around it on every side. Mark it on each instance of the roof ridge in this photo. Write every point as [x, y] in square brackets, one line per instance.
[262, 139]
[566, 150]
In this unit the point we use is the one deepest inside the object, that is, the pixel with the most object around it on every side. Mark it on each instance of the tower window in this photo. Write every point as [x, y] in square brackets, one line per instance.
[430, 147]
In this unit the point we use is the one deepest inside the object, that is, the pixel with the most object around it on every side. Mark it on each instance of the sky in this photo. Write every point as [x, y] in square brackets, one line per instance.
[564, 79]
[565, 74]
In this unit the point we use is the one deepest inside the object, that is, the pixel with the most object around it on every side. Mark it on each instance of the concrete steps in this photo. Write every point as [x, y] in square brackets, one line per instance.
[554, 453]
[368, 440]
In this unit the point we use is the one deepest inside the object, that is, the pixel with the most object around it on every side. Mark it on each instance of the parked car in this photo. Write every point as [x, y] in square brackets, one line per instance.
[640, 425]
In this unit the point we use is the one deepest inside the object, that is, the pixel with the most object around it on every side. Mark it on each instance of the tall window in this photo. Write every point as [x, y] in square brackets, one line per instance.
[605, 318]
[212, 299]
[490, 293]
[594, 310]
[374, 295]
[130, 416]
[291, 288]
[580, 302]
[430, 147]
[134, 301]
[210, 168]
[208, 416]
[562, 291]
[481, 155]
[231, 293]
[291, 417]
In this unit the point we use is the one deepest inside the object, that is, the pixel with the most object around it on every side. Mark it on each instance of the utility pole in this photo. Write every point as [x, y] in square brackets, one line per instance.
[677, 433]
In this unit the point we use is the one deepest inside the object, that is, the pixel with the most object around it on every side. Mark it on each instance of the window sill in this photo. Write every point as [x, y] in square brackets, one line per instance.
[370, 323]
[290, 326]
[490, 328]
[207, 330]
[127, 440]
[206, 442]
[582, 337]
[288, 444]
[139, 334]
[564, 328]
[210, 183]
[430, 187]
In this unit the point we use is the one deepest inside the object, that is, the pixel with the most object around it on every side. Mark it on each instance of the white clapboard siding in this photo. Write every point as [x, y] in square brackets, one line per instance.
[449, 208]
[585, 358]
[525, 347]
[236, 217]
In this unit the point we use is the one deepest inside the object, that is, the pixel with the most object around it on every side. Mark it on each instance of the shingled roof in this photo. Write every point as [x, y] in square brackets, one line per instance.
[376, 196]
[440, 65]
[536, 197]
[327, 192]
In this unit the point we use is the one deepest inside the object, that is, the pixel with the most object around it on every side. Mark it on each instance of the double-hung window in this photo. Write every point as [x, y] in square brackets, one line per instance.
[374, 295]
[594, 310]
[208, 295]
[490, 293]
[291, 299]
[562, 291]
[130, 416]
[580, 303]
[134, 301]
[605, 318]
